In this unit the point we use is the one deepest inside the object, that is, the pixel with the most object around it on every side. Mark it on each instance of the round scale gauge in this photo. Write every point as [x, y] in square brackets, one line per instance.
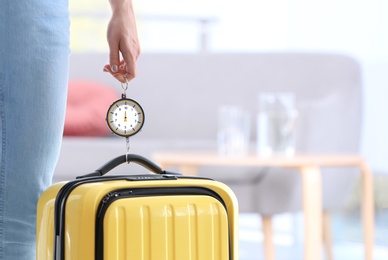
[125, 117]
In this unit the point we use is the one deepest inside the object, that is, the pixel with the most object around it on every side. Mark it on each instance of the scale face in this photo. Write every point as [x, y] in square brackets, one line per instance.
[125, 117]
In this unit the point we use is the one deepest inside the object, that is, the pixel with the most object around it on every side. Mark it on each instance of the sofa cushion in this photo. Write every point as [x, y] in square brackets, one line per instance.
[87, 104]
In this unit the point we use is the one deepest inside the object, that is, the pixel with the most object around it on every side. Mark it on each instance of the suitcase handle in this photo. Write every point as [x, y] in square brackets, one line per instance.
[126, 158]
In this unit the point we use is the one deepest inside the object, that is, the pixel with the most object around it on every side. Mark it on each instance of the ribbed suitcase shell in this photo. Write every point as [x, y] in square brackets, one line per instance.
[162, 227]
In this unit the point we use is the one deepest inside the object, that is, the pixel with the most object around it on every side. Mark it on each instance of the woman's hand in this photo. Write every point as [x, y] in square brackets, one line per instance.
[122, 38]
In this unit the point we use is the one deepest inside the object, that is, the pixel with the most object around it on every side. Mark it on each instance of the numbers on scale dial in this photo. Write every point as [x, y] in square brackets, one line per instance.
[125, 117]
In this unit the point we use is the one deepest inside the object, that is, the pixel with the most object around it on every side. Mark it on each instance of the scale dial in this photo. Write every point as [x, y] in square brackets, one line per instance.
[125, 117]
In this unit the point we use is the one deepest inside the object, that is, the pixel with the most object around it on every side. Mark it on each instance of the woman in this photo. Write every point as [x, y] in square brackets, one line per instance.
[34, 55]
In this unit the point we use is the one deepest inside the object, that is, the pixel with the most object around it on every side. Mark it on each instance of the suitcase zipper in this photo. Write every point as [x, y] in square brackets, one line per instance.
[109, 196]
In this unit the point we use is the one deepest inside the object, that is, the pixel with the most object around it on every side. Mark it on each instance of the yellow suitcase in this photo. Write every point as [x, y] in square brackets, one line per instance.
[163, 216]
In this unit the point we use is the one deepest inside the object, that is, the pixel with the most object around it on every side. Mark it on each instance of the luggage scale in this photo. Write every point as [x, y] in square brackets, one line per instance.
[125, 117]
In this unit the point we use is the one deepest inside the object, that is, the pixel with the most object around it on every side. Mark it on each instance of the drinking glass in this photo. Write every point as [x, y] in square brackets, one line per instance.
[233, 131]
[276, 124]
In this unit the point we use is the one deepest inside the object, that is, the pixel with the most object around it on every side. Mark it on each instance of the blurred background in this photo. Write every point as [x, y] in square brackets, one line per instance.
[358, 28]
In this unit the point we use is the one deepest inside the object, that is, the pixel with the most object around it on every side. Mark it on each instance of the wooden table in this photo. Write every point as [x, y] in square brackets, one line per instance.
[309, 167]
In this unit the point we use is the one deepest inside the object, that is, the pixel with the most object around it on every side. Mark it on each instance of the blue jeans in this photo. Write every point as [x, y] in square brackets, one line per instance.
[34, 54]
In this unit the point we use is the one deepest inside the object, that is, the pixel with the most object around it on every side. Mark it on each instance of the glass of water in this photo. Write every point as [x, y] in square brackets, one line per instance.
[233, 131]
[276, 124]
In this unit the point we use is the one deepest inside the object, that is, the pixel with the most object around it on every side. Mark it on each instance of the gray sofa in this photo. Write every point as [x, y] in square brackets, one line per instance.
[180, 94]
